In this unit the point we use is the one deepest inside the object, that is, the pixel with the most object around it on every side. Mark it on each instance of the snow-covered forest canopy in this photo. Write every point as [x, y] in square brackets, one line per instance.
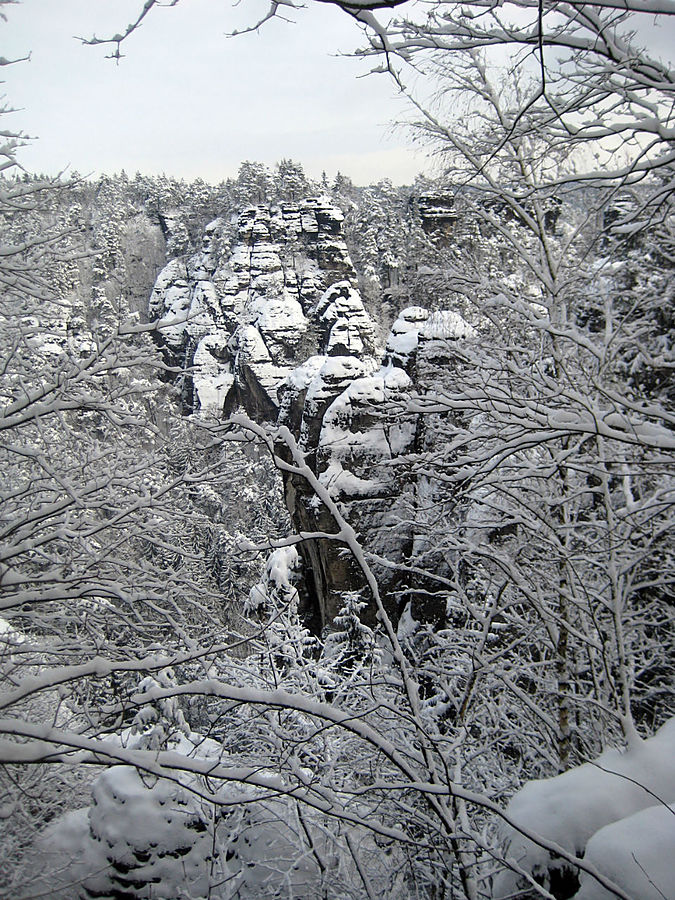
[337, 547]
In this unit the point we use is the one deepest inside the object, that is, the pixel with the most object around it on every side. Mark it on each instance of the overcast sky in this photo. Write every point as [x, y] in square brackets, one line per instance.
[189, 101]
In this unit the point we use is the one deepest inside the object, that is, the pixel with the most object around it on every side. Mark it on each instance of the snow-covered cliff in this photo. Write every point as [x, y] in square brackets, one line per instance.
[271, 321]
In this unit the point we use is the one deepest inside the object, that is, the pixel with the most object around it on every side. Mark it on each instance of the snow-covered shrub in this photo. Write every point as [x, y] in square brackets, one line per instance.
[156, 838]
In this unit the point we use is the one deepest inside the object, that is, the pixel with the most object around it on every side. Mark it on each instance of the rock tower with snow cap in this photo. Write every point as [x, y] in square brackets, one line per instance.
[237, 313]
[279, 329]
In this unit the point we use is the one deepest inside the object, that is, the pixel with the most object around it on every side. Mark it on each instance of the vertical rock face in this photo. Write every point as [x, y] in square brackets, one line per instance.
[274, 324]
[357, 426]
[365, 434]
[260, 298]
[346, 328]
[439, 218]
[144, 250]
[170, 303]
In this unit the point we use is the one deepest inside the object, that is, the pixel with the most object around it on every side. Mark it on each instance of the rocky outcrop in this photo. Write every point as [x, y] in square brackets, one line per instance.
[357, 426]
[438, 216]
[401, 347]
[144, 251]
[240, 318]
[275, 324]
[365, 433]
[346, 327]
[169, 305]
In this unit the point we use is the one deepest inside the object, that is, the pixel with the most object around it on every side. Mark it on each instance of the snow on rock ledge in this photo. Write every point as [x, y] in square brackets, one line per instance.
[573, 809]
[347, 329]
[170, 302]
[404, 337]
[637, 853]
[417, 327]
[213, 378]
[446, 324]
[360, 435]
[282, 323]
[336, 374]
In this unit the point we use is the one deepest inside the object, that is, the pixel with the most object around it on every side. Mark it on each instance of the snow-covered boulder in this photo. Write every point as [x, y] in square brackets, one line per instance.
[570, 809]
[403, 339]
[145, 837]
[637, 853]
[141, 829]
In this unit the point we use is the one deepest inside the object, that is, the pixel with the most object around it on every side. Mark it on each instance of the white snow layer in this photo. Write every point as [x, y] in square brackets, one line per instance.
[280, 571]
[637, 853]
[343, 315]
[356, 437]
[280, 314]
[252, 350]
[151, 837]
[446, 324]
[282, 565]
[302, 376]
[212, 378]
[173, 275]
[335, 372]
[576, 811]
[415, 323]
[405, 332]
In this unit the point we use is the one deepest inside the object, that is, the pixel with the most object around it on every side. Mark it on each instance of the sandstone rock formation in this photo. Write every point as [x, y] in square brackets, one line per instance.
[276, 326]
[261, 301]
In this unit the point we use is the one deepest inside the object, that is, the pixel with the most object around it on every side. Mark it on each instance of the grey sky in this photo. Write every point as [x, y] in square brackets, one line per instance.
[189, 101]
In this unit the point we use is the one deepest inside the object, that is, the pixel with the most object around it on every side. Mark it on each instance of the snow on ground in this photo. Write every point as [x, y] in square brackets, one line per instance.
[637, 853]
[573, 810]
[148, 837]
